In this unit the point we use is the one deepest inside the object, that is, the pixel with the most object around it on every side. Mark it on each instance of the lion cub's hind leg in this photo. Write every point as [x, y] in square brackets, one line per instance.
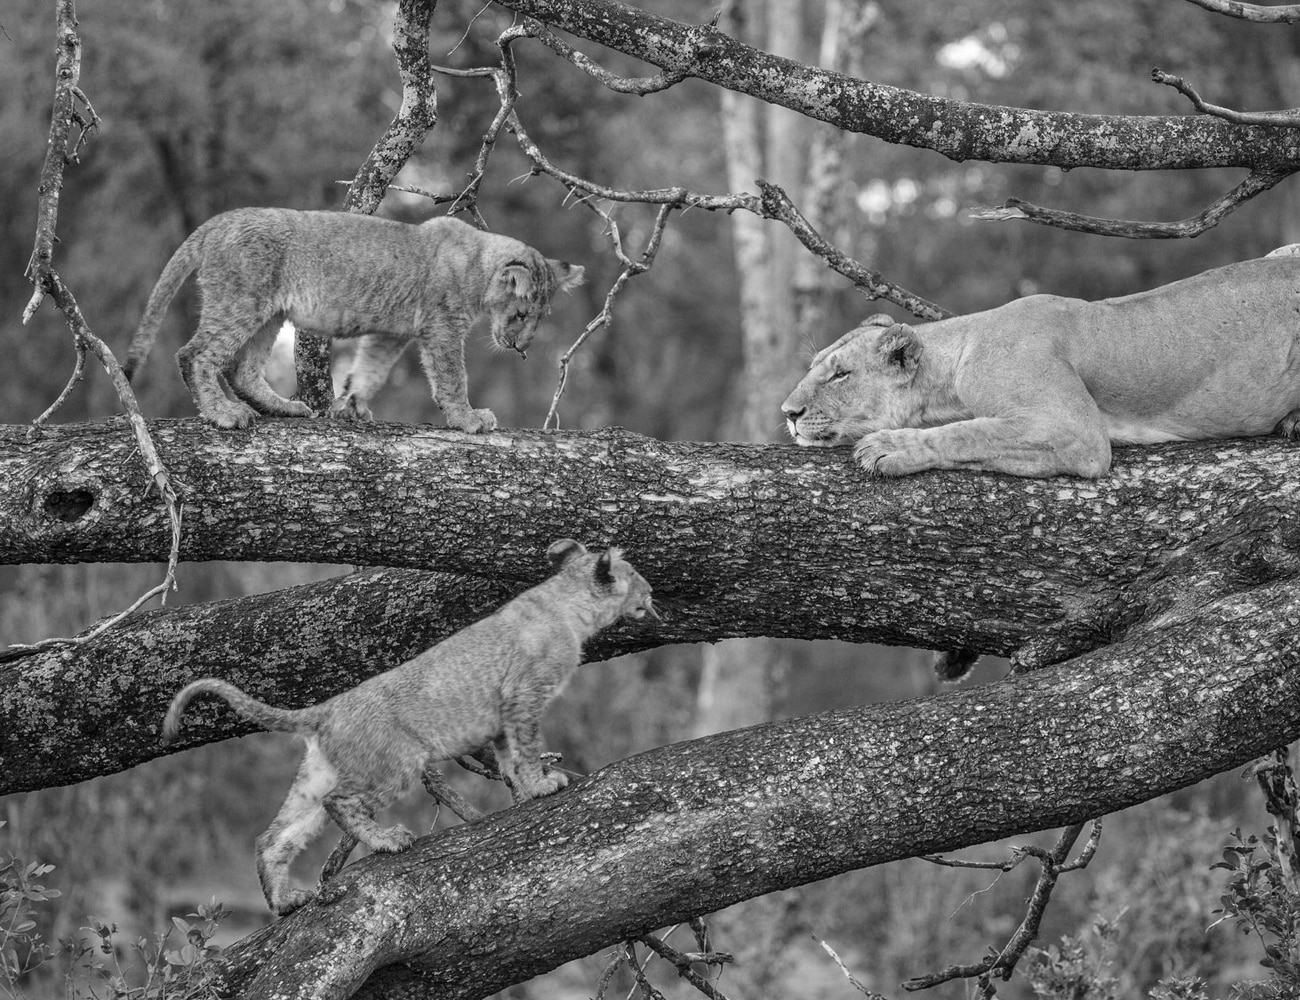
[354, 813]
[299, 821]
[212, 354]
[248, 377]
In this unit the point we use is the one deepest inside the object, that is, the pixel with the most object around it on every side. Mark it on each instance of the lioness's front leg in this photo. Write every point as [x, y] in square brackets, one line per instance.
[1019, 446]
[443, 354]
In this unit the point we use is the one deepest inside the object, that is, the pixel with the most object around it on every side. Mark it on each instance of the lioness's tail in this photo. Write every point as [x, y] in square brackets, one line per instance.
[264, 715]
[184, 262]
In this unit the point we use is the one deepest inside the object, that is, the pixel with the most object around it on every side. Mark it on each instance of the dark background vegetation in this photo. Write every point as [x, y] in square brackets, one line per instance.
[212, 105]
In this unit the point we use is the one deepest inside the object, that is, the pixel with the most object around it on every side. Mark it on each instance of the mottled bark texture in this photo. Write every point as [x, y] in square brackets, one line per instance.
[738, 540]
[957, 129]
[692, 827]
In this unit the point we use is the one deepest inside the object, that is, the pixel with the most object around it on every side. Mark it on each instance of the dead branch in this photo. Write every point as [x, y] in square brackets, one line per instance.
[1052, 864]
[1258, 182]
[1287, 14]
[683, 962]
[71, 107]
[1289, 118]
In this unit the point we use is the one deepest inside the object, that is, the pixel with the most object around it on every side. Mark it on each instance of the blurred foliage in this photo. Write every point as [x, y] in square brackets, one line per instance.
[213, 104]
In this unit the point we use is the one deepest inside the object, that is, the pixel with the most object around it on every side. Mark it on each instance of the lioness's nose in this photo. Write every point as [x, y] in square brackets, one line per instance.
[792, 412]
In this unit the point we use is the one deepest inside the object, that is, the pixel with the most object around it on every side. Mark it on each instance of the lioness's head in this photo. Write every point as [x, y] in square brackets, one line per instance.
[520, 294]
[607, 576]
[861, 383]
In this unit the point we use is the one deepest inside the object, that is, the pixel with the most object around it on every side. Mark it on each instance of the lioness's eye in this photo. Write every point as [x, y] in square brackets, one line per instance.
[837, 375]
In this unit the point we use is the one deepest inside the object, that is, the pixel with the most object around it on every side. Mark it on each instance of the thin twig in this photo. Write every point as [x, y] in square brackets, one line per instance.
[71, 106]
[1286, 14]
[683, 962]
[1053, 864]
[856, 983]
[773, 203]
[1288, 118]
[1256, 183]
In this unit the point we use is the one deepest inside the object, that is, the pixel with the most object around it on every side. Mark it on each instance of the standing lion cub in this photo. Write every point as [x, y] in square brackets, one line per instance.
[485, 685]
[339, 274]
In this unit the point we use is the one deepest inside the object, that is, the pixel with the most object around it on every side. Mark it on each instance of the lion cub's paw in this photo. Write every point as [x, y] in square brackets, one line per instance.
[234, 415]
[293, 899]
[1290, 425]
[548, 784]
[348, 407]
[889, 453]
[471, 421]
[392, 840]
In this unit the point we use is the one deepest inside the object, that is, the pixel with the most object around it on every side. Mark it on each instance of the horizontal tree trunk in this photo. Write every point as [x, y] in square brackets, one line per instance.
[689, 828]
[957, 129]
[752, 539]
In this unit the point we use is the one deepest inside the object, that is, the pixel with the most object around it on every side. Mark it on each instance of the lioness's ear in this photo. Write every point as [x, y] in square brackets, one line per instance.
[900, 348]
[878, 319]
[567, 276]
[563, 550]
[518, 279]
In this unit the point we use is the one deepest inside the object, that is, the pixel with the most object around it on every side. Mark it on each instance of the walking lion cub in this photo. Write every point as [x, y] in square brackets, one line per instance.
[340, 274]
[483, 686]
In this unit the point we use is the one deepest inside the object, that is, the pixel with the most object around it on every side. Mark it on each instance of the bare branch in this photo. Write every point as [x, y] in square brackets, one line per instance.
[1286, 14]
[683, 962]
[1281, 119]
[1053, 863]
[60, 151]
[1258, 182]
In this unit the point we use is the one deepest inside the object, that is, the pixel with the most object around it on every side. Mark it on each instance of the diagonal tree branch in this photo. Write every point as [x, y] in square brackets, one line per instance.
[956, 129]
[1282, 119]
[652, 839]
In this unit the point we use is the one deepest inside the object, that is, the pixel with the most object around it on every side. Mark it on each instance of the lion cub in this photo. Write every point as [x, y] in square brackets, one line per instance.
[485, 685]
[339, 274]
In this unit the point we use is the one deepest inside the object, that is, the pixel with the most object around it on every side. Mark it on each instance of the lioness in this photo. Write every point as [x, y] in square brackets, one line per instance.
[1041, 386]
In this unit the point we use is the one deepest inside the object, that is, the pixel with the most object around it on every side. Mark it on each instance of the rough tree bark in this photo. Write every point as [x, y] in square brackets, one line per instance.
[957, 129]
[766, 540]
[1160, 605]
[659, 837]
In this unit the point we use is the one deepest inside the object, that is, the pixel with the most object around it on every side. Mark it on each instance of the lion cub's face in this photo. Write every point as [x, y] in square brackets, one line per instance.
[520, 294]
[861, 383]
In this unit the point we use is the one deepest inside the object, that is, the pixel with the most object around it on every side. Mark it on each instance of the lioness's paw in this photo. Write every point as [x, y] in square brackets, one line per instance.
[472, 421]
[1290, 425]
[889, 453]
[348, 407]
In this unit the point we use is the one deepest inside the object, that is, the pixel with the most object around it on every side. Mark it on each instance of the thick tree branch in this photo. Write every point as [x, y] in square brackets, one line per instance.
[737, 541]
[651, 840]
[956, 129]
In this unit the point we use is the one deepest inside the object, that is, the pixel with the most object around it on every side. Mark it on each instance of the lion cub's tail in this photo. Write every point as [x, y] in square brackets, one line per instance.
[183, 263]
[260, 713]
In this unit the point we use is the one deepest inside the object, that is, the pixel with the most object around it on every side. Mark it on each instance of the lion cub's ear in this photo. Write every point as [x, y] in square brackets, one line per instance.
[567, 276]
[900, 349]
[878, 319]
[563, 550]
[604, 571]
[518, 279]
